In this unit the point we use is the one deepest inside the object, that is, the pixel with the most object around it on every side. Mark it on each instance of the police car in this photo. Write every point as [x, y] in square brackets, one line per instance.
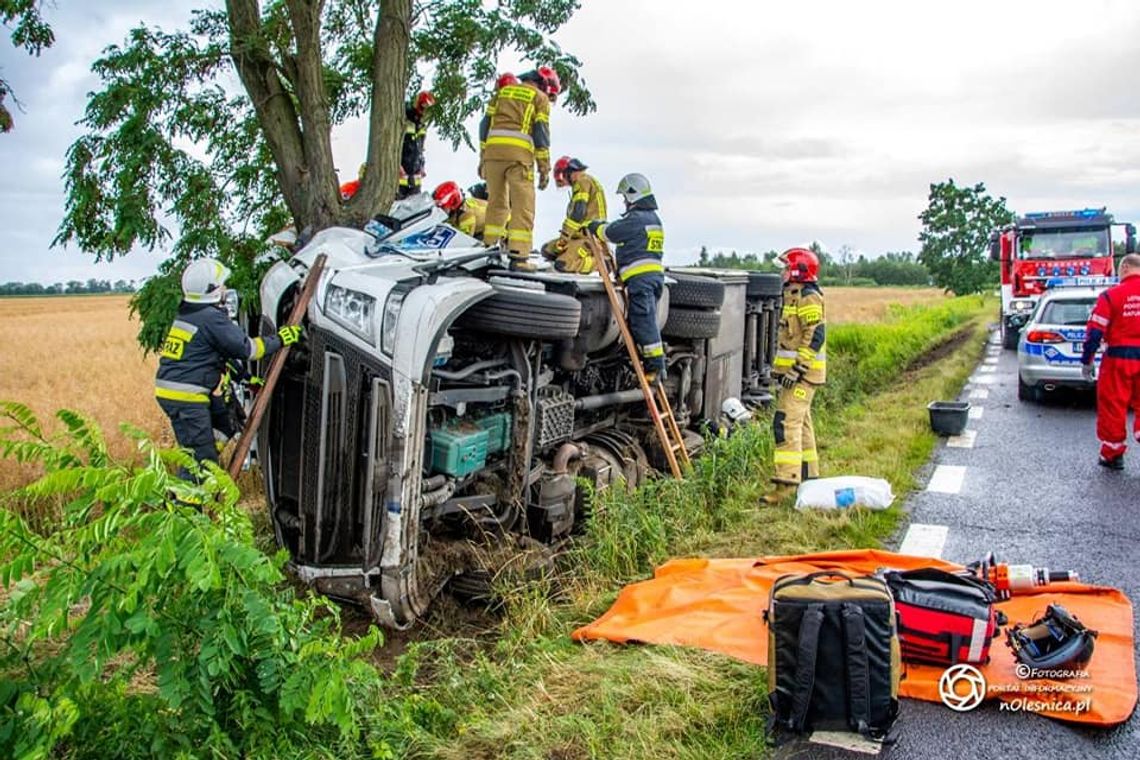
[1049, 349]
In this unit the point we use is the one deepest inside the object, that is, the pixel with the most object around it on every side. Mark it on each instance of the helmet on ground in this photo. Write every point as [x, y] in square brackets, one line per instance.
[505, 80]
[546, 79]
[566, 166]
[423, 101]
[203, 281]
[448, 196]
[800, 265]
[633, 188]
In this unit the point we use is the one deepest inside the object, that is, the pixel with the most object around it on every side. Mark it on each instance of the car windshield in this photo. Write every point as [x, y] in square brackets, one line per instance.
[1064, 244]
[1067, 312]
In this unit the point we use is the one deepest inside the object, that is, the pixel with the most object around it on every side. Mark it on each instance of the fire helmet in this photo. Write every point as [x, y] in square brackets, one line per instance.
[505, 80]
[422, 102]
[566, 166]
[448, 196]
[633, 188]
[204, 280]
[800, 265]
[546, 79]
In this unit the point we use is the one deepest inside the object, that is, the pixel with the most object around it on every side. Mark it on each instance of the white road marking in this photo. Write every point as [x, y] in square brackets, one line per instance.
[847, 740]
[964, 441]
[984, 379]
[990, 360]
[947, 478]
[979, 393]
[923, 540]
[976, 412]
[987, 368]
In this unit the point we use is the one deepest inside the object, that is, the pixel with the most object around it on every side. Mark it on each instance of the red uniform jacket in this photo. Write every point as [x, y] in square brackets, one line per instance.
[1116, 320]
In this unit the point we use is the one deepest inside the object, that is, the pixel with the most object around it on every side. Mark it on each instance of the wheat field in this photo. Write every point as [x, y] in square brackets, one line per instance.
[870, 304]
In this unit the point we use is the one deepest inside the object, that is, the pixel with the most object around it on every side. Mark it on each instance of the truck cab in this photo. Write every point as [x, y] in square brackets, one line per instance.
[442, 406]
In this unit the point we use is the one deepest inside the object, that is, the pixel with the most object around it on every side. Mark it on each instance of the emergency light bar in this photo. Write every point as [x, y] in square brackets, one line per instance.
[1086, 213]
[1080, 282]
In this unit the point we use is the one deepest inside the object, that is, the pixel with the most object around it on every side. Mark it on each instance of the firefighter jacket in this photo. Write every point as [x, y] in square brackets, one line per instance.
[412, 152]
[470, 218]
[802, 340]
[587, 204]
[638, 238]
[1115, 319]
[195, 351]
[516, 127]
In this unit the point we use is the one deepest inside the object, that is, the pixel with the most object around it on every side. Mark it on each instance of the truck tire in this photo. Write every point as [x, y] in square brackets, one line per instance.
[524, 314]
[695, 291]
[1009, 337]
[691, 323]
[764, 285]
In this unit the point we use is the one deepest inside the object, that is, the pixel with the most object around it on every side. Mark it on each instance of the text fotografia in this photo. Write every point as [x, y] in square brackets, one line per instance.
[1024, 672]
[1027, 704]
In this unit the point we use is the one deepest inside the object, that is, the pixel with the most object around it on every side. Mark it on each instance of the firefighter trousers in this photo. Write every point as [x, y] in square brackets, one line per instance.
[643, 291]
[796, 458]
[576, 258]
[1117, 391]
[193, 425]
[510, 205]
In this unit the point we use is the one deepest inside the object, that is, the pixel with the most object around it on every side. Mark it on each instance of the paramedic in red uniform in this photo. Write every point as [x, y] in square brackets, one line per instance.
[1116, 320]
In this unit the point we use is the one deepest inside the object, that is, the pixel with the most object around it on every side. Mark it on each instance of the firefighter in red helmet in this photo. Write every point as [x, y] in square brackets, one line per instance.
[1115, 320]
[570, 251]
[800, 367]
[468, 215]
[412, 154]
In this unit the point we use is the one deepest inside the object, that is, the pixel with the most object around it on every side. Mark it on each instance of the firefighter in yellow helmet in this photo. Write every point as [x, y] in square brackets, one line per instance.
[514, 138]
[569, 250]
[800, 367]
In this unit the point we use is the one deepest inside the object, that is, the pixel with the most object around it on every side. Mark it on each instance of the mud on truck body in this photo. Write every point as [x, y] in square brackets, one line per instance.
[1043, 246]
[439, 400]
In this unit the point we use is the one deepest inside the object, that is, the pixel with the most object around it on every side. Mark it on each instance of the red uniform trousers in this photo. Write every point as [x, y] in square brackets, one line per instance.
[1117, 390]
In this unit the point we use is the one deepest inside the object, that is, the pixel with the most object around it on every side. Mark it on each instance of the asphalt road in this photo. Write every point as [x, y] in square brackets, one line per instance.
[1032, 492]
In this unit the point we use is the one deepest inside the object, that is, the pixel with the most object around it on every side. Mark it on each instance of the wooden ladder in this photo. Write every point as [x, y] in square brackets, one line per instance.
[660, 411]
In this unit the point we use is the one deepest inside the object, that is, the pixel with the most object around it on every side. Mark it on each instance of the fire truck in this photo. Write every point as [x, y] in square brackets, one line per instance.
[1046, 247]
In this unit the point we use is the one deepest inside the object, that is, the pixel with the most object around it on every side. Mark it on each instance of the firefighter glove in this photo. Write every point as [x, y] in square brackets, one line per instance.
[1088, 371]
[789, 379]
[289, 334]
[543, 180]
[562, 244]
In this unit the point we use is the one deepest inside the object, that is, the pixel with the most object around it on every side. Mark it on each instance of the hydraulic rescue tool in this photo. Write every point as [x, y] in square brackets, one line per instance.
[1011, 579]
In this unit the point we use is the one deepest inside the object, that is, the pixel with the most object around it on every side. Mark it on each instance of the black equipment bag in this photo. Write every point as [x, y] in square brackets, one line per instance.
[833, 654]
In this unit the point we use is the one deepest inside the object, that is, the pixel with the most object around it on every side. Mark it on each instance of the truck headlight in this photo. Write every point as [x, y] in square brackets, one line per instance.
[352, 310]
[1021, 305]
[388, 326]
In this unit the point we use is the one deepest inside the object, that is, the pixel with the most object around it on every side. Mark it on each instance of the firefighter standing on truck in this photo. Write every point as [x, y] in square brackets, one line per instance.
[514, 137]
[1115, 319]
[800, 366]
[569, 250]
[468, 215]
[194, 356]
[639, 244]
[412, 152]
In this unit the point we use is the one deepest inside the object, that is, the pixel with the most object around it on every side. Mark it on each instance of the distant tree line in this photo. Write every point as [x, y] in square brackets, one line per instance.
[843, 268]
[71, 287]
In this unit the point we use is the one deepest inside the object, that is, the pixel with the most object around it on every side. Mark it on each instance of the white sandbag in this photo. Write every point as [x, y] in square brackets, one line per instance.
[844, 492]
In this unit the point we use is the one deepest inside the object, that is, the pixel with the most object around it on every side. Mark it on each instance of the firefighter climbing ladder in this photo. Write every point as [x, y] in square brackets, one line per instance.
[660, 410]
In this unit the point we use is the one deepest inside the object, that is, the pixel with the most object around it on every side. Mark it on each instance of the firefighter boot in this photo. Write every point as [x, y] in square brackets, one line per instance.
[779, 494]
[520, 262]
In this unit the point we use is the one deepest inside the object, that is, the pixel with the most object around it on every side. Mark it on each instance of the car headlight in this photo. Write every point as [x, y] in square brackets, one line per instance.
[1021, 305]
[388, 326]
[352, 310]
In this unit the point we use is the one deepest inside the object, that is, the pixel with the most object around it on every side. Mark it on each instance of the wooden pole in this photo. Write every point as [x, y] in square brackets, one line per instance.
[276, 364]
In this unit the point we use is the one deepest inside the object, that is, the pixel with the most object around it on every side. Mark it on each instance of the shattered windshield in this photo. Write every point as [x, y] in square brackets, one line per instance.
[1064, 244]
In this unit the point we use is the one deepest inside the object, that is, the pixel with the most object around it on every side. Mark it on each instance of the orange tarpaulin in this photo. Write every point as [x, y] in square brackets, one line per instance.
[717, 604]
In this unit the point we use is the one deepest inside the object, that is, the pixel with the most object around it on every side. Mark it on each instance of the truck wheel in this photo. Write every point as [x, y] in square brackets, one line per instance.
[692, 323]
[524, 314]
[695, 291]
[1009, 337]
[764, 285]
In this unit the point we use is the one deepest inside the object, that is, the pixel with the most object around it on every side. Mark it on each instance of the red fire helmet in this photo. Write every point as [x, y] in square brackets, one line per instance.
[800, 265]
[448, 196]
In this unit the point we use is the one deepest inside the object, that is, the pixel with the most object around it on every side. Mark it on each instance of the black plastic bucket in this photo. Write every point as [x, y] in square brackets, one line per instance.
[948, 417]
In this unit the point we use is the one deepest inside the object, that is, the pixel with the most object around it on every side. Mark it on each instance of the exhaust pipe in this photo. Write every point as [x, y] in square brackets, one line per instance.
[1050, 387]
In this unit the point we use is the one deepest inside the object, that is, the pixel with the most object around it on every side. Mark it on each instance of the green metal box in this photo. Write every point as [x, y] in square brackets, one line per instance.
[458, 451]
[498, 427]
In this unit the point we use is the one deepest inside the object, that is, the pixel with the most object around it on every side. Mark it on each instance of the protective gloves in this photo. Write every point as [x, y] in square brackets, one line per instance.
[789, 379]
[543, 180]
[289, 334]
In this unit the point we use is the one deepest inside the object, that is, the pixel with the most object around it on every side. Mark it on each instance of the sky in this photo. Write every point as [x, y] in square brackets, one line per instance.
[761, 124]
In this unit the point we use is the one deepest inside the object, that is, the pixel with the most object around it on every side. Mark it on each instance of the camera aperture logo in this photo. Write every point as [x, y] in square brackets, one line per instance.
[962, 687]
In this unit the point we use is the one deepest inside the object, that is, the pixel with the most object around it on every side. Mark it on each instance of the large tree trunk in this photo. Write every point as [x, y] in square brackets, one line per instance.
[386, 118]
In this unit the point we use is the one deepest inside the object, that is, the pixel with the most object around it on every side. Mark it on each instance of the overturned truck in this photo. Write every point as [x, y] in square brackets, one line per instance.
[440, 401]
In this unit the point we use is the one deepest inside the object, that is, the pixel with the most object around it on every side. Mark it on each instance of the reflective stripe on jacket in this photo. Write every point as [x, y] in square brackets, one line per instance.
[194, 353]
[639, 242]
[587, 204]
[516, 127]
[803, 333]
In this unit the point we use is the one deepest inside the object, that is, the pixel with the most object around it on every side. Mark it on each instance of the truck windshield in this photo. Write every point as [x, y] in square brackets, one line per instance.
[1064, 244]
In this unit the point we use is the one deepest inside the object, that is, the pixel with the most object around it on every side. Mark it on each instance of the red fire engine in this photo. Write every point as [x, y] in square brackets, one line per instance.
[1044, 246]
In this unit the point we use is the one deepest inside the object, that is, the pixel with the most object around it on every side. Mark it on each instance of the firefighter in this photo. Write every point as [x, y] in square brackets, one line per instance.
[412, 153]
[350, 188]
[800, 366]
[639, 244]
[194, 354]
[569, 251]
[1115, 319]
[514, 137]
[468, 215]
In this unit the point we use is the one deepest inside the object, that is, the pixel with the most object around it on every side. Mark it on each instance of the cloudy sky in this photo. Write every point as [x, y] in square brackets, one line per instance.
[762, 124]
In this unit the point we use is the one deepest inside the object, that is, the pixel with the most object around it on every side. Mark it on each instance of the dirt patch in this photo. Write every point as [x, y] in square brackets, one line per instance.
[939, 352]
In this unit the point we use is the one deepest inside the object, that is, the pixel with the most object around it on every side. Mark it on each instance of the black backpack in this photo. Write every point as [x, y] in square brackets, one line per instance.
[833, 654]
